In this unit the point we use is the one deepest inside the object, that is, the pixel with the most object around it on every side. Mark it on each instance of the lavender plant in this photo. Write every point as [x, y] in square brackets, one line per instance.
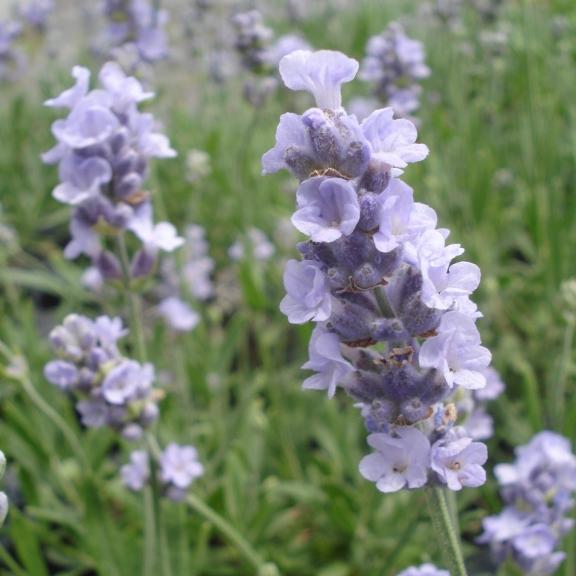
[104, 148]
[136, 25]
[395, 64]
[538, 491]
[260, 54]
[108, 388]
[395, 326]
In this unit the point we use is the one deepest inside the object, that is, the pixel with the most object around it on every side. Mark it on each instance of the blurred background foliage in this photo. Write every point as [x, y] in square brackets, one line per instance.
[499, 116]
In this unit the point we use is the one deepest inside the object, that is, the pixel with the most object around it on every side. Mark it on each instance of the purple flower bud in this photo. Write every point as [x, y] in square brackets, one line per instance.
[108, 265]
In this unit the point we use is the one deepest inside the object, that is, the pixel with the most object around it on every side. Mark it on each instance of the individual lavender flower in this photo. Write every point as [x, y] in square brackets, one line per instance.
[395, 65]
[103, 152]
[138, 24]
[136, 473]
[326, 360]
[177, 467]
[537, 490]
[458, 460]
[424, 570]
[376, 270]
[109, 389]
[400, 461]
[178, 314]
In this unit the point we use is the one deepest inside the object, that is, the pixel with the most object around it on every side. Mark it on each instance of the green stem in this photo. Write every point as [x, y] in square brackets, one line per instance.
[227, 530]
[134, 304]
[149, 533]
[443, 525]
[153, 532]
[559, 391]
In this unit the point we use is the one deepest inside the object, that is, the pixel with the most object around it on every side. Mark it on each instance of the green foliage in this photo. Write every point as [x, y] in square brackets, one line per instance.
[282, 464]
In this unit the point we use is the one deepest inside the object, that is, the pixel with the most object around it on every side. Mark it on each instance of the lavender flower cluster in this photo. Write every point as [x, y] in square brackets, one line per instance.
[178, 467]
[103, 153]
[109, 389]
[137, 26]
[31, 17]
[260, 53]
[395, 64]
[395, 326]
[538, 489]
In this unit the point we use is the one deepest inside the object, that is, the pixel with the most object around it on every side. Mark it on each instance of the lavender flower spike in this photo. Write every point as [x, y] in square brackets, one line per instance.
[396, 326]
[104, 147]
[538, 491]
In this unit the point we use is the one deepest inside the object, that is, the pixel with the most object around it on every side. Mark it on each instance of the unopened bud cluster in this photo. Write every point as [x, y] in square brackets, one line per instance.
[395, 326]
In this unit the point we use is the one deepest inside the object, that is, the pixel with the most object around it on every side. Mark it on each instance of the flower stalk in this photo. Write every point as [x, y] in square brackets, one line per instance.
[443, 526]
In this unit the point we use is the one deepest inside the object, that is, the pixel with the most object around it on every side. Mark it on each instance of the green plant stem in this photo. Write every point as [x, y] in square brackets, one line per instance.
[559, 391]
[442, 522]
[153, 532]
[227, 530]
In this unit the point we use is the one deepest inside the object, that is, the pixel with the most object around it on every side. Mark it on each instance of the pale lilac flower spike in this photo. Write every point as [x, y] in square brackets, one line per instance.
[396, 327]
[321, 73]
